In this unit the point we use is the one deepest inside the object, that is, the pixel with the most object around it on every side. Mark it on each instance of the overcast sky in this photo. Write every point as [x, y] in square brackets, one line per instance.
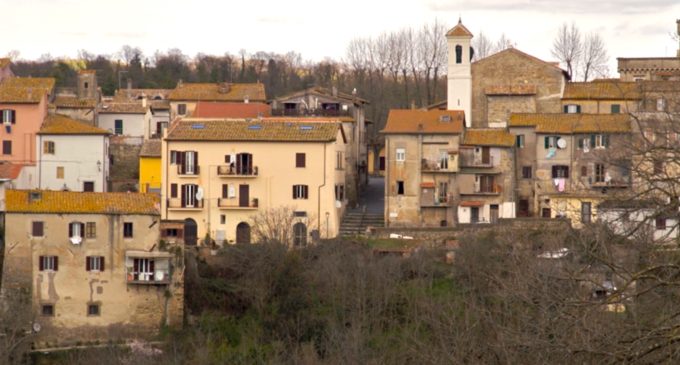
[319, 29]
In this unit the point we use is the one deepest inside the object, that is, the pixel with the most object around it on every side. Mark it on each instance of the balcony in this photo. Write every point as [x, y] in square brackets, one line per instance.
[234, 204]
[475, 160]
[282, 112]
[178, 204]
[182, 171]
[438, 202]
[148, 267]
[486, 189]
[434, 166]
[227, 171]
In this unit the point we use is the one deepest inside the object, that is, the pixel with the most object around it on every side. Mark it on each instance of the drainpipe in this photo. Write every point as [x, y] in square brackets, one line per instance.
[318, 213]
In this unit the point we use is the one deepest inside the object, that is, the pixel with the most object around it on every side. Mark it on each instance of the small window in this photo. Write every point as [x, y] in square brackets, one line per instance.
[223, 219]
[9, 116]
[86, 85]
[300, 192]
[401, 155]
[616, 108]
[127, 229]
[660, 223]
[181, 109]
[48, 310]
[6, 147]
[173, 190]
[599, 173]
[118, 127]
[601, 140]
[299, 214]
[48, 148]
[173, 157]
[550, 141]
[94, 263]
[90, 230]
[93, 310]
[560, 171]
[526, 172]
[48, 263]
[400, 188]
[38, 229]
[340, 192]
[88, 186]
[572, 108]
[519, 141]
[60, 172]
[300, 234]
[459, 54]
[300, 160]
[339, 160]
[76, 230]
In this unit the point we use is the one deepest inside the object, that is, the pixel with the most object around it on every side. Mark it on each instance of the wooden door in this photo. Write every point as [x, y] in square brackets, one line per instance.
[243, 195]
[474, 215]
[493, 213]
[486, 156]
[243, 233]
[190, 232]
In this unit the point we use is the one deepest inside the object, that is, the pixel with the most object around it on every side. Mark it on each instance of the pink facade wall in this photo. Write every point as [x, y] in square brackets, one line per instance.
[29, 118]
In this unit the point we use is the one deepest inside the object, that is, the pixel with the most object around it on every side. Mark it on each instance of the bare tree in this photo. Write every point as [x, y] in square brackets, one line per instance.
[482, 46]
[502, 44]
[594, 57]
[568, 47]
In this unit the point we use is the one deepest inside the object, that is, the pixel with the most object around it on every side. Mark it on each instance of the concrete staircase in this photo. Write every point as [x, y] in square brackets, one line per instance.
[355, 222]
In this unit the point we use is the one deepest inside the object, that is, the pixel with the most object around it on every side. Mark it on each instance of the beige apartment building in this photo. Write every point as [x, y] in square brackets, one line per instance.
[220, 173]
[93, 264]
[421, 179]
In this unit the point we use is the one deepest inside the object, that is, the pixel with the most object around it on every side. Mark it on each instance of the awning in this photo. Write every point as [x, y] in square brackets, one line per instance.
[147, 254]
[471, 203]
[429, 184]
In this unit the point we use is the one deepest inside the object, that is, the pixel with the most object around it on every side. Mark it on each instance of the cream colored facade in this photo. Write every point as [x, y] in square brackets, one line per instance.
[129, 305]
[221, 209]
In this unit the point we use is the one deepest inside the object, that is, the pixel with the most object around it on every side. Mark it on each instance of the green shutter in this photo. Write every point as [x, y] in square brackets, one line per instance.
[545, 140]
[592, 141]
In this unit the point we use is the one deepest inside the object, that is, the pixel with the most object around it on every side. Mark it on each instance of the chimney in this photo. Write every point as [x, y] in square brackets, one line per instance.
[144, 101]
[129, 88]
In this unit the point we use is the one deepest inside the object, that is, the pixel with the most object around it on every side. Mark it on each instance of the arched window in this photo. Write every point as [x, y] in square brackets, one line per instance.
[300, 234]
[243, 233]
[459, 54]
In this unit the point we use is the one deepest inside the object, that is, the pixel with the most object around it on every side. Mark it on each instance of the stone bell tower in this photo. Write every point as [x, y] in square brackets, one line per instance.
[459, 87]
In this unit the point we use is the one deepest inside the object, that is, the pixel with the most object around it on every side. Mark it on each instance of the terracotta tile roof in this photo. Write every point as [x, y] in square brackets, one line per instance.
[72, 101]
[603, 90]
[322, 91]
[488, 137]
[521, 54]
[572, 123]
[231, 110]
[59, 124]
[311, 119]
[459, 31]
[420, 121]
[4, 62]
[123, 108]
[160, 105]
[10, 170]
[251, 130]
[64, 202]
[151, 148]
[510, 90]
[135, 94]
[216, 92]
[25, 90]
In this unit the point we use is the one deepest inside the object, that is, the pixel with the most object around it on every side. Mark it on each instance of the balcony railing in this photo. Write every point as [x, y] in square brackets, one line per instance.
[157, 277]
[182, 170]
[470, 159]
[223, 203]
[487, 189]
[232, 171]
[282, 112]
[177, 203]
[437, 165]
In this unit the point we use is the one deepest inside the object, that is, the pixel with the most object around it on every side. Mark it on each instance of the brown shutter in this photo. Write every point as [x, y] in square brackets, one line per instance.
[184, 196]
[14, 116]
[87, 263]
[196, 162]
[151, 266]
[180, 162]
[293, 191]
[102, 267]
[173, 190]
[70, 230]
[306, 191]
[82, 230]
[56, 263]
[41, 265]
[225, 191]
[227, 159]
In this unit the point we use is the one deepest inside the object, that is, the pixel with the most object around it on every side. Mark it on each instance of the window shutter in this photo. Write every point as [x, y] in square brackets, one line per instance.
[70, 230]
[606, 140]
[82, 229]
[41, 263]
[195, 162]
[87, 263]
[135, 265]
[173, 190]
[151, 266]
[566, 109]
[180, 161]
[293, 191]
[14, 116]
[101, 263]
[227, 159]
[225, 191]
[592, 140]
[546, 142]
[580, 143]
[554, 171]
[184, 196]
[306, 191]
[56, 263]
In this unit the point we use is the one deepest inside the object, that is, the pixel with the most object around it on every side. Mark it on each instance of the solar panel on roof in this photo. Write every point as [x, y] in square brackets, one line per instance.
[255, 127]
[306, 128]
[197, 126]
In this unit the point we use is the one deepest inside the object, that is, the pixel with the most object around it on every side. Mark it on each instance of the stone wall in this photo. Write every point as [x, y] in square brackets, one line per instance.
[124, 163]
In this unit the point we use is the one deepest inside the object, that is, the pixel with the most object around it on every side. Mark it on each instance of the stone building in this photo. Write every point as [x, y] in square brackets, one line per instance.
[651, 68]
[80, 103]
[93, 264]
[184, 97]
[568, 163]
[421, 185]
[219, 173]
[608, 96]
[331, 104]
[486, 183]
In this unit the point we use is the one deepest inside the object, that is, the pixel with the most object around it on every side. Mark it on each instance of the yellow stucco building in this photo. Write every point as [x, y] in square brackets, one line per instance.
[150, 167]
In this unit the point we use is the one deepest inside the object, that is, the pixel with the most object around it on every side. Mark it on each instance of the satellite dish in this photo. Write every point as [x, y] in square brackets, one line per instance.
[36, 327]
[562, 143]
[338, 204]
[76, 240]
[199, 193]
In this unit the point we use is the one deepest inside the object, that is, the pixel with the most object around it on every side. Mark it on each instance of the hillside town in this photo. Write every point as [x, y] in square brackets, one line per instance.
[108, 201]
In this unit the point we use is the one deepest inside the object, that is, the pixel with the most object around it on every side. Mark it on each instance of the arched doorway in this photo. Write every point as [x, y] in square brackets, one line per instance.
[299, 234]
[243, 233]
[190, 232]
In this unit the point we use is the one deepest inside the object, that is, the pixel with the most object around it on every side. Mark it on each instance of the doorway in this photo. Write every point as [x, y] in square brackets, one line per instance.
[190, 232]
[243, 195]
[243, 233]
